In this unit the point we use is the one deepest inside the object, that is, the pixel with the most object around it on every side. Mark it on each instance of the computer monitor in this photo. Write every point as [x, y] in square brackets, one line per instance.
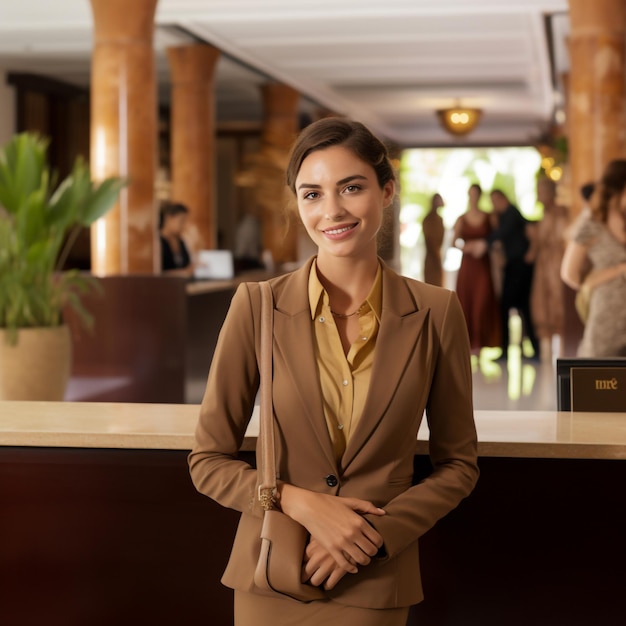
[564, 375]
[214, 265]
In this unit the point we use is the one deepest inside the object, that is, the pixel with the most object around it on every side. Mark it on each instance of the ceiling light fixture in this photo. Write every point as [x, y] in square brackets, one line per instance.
[459, 120]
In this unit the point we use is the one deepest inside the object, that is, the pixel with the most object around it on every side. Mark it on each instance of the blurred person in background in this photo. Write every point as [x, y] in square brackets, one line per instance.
[175, 257]
[433, 229]
[474, 284]
[599, 242]
[547, 245]
[517, 275]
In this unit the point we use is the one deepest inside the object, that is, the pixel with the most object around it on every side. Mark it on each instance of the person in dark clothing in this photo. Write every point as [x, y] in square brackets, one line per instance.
[175, 258]
[518, 271]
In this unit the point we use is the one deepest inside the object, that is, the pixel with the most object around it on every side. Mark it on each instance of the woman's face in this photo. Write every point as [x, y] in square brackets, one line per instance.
[176, 223]
[474, 194]
[340, 202]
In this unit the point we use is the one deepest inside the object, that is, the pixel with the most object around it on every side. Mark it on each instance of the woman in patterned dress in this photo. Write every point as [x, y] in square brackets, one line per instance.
[547, 245]
[600, 240]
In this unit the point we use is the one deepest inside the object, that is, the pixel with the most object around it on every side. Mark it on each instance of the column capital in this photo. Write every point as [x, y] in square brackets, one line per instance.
[192, 63]
[121, 20]
[605, 16]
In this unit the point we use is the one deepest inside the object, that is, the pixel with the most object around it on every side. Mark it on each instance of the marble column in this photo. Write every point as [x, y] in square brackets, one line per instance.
[193, 138]
[280, 127]
[124, 134]
[597, 96]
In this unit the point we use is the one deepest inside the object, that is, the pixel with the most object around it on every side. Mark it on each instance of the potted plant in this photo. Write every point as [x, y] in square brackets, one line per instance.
[39, 222]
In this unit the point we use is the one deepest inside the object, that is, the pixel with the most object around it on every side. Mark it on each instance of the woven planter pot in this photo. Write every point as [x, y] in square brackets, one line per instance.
[38, 367]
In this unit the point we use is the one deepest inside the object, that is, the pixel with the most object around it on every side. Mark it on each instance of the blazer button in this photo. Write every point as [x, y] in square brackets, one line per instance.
[331, 480]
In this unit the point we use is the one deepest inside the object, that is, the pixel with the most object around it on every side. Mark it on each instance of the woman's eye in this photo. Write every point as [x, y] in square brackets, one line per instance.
[352, 188]
[311, 195]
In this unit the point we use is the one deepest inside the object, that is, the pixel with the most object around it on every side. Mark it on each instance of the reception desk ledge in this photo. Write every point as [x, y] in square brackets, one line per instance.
[522, 434]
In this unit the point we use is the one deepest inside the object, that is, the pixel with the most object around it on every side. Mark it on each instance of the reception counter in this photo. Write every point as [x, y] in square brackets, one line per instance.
[100, 522]
[514, 434]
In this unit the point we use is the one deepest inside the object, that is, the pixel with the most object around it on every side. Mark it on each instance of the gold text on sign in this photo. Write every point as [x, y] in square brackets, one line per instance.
[607, 385]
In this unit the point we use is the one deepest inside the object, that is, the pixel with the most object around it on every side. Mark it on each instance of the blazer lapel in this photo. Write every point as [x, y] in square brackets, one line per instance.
[401, 330]
[293, 339]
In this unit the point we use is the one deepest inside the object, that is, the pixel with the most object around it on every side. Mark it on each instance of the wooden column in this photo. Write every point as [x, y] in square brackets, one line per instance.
[280, 127]
[193, 137]
[124, 134]
[597, 98]
[596, 119]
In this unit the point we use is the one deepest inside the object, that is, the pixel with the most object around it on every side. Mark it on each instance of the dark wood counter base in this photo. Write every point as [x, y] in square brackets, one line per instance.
[94, 537]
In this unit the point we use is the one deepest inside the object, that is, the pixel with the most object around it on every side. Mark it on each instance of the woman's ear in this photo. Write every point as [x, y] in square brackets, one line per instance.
[389, 191]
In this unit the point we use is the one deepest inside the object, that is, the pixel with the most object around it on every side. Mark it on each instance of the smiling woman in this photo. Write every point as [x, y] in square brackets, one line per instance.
[341, 203]
[359, 352]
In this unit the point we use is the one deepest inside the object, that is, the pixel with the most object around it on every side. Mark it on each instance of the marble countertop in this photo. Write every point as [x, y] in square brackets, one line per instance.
[196, 287]
[530, 434]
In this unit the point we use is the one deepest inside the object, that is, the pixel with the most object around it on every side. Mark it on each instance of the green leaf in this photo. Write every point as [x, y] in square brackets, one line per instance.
[22, 169]
[101, 199]
[64, 205]
[29, 222]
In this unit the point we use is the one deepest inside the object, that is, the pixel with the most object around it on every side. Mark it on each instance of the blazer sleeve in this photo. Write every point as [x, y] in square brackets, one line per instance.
[452, 443]
[227, 408]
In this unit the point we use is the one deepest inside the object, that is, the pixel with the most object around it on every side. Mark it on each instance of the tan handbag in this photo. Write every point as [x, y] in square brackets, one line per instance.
[283, 540]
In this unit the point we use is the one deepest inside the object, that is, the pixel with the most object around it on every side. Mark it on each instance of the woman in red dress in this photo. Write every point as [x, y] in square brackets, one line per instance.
[475, 280]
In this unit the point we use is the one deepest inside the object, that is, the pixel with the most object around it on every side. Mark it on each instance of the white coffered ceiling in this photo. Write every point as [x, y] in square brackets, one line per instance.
[389, 63]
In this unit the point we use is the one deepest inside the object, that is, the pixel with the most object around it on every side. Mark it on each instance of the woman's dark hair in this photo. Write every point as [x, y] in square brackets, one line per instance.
[611, 184]
[499, 193]
[586, 191]
[436, 201]
[336, 131]
[170, 209]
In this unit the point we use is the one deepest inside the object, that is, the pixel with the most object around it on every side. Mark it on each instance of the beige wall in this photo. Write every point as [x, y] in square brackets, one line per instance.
[7, 109]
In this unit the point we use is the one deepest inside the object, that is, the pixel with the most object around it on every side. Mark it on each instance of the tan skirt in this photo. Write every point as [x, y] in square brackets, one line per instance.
[252, 609]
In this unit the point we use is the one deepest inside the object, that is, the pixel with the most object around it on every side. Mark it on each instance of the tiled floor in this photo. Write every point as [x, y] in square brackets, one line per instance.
[518, 383]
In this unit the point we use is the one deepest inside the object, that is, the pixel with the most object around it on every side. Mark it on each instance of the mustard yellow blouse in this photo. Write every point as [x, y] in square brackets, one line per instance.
[344, 379]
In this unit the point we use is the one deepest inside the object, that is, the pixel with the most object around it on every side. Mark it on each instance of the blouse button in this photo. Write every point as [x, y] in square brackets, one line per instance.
[331, 480]
[322, 319]
[344, 383]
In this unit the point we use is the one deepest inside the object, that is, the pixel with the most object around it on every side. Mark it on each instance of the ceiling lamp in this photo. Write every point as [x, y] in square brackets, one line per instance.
[459, 120]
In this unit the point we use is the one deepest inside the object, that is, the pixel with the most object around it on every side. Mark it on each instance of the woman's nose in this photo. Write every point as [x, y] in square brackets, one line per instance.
[334, 209]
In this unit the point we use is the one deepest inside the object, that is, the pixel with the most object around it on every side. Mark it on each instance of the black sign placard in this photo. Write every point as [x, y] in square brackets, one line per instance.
[598, 389]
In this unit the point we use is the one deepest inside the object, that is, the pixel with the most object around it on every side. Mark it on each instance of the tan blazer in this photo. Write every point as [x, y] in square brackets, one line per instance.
[421, 363]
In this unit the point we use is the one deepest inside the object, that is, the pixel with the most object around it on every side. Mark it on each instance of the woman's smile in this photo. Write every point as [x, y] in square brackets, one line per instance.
[340, 232]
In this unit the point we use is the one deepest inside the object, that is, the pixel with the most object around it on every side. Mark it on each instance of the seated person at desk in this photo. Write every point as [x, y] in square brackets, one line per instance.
[175, 258]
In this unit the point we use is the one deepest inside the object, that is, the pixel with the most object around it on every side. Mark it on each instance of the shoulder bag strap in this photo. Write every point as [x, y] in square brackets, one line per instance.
[267, 486]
